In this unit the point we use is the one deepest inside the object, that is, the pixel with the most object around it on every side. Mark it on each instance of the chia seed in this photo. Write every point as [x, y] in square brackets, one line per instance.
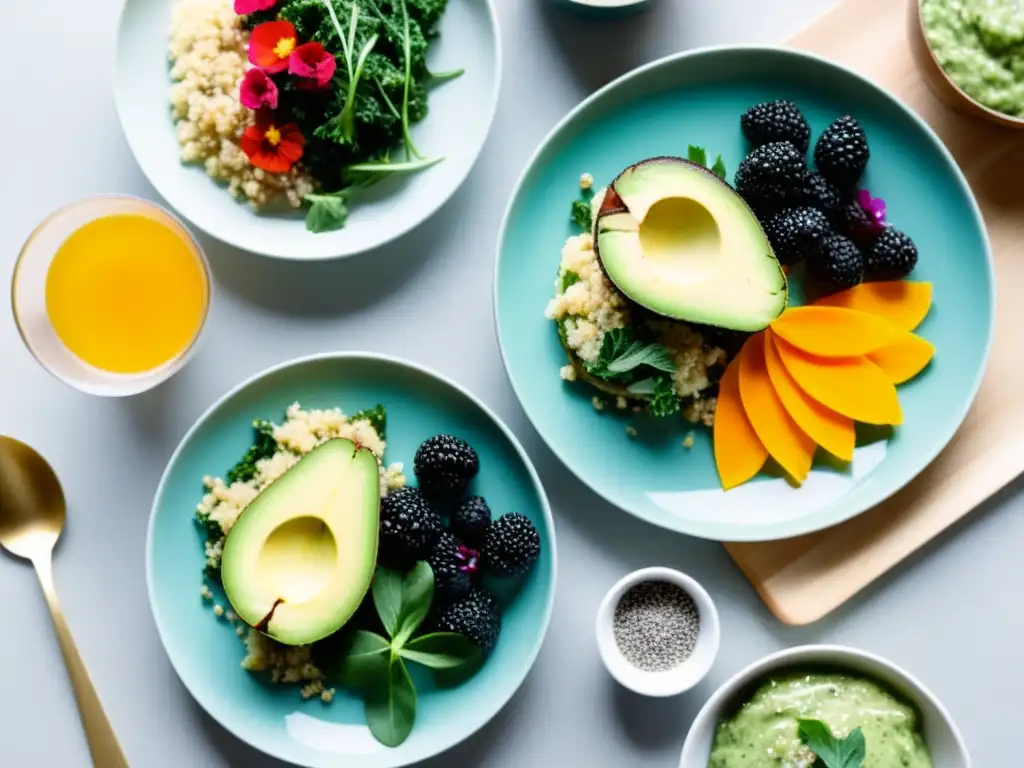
[656, 626]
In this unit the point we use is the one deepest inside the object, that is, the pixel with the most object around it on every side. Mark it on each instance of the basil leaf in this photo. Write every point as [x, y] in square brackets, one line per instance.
[417, 595]
[719, 168]
[326, 212]
[441, 650]
[697, 155]
[833, 753]
[391, 706]
[366, 660]
[387, 598]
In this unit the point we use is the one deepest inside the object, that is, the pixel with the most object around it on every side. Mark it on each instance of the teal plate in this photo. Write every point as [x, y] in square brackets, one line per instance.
[697, 98]
[206, 652]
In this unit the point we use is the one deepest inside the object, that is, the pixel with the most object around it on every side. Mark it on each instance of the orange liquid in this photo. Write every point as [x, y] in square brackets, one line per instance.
[126, 293]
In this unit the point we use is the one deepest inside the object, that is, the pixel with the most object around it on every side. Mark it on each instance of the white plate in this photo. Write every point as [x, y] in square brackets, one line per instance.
[461, 113]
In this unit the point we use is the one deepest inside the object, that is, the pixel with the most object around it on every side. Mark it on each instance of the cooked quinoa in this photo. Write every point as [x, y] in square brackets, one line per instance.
[208, 55]
[302, 431]
[587, 305]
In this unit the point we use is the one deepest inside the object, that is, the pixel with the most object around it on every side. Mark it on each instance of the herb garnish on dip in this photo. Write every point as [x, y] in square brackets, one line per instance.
[980, 45]
[778, 725]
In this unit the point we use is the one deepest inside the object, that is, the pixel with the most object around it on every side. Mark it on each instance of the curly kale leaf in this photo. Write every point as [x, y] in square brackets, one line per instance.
[581, 214]
[662, 398]
[263, 447]
[378, 418]
[427, 12]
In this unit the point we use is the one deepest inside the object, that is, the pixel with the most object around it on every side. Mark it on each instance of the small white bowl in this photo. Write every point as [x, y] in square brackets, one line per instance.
[941, 735]
[669, 682]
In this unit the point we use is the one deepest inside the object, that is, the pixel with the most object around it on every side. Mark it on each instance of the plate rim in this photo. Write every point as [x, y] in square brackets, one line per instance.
[289, 255]
[321, 357]
[797, 526]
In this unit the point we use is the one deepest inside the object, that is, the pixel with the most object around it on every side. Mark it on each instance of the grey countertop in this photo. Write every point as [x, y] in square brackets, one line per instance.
[951, 615]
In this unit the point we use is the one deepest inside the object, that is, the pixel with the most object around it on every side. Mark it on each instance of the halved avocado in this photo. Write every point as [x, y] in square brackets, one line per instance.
[301, 557]
[678, 240]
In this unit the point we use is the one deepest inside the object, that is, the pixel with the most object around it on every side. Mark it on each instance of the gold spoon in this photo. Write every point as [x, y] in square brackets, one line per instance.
[32, 513]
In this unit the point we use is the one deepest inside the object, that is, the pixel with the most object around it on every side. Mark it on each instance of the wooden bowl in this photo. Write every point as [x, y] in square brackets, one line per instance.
[941, 83]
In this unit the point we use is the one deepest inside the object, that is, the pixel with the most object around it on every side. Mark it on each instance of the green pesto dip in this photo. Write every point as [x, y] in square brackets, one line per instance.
[980, 45]
[763, 733]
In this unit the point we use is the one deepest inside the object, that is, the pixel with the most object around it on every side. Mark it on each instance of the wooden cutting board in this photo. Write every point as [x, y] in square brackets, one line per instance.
[805, 578]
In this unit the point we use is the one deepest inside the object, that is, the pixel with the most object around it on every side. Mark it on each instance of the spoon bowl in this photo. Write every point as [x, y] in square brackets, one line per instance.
[32, 508]
[32, 514]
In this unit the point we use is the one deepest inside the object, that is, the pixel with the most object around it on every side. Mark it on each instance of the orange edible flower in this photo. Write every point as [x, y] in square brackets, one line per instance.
[271, 45]
[272, 147]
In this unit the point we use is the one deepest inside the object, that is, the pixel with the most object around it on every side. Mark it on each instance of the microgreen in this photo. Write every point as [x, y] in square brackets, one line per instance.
[699, 155]
[376, 665]
[663, 398]
[580, 212]
[832, 752]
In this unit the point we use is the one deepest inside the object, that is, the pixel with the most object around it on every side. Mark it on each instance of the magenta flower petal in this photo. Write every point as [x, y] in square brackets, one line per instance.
[245, 7]
[311, 61]
[874, 206]
[258, 90]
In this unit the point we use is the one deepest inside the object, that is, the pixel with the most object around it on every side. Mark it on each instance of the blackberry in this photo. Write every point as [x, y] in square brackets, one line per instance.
[444, 465]
[836, 264]
[855, 223]
[477, 617]
[409, 526]
[822, 194]
[842, 152]
[512, 545]
[776, 121]
[892, 256]
[470, 521]
[795, 232]
[456, 569]
[771, 174]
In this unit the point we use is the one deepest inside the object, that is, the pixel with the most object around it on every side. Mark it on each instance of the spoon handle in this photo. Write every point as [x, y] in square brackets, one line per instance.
[103, 746]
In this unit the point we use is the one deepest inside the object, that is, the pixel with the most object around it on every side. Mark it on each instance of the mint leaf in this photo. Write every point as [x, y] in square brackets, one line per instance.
[366, 660]
[378, 418]
[697, 155]
[417, 595]
[719, 168]
[326, 212]
[832, 752]
[621, 354]
[581, 214]
[390, 706]
[441, 650]
[387, 598]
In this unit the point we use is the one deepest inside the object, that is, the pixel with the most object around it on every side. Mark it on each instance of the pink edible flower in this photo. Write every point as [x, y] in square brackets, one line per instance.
[874, 207]
[258, 90]
[245, 7]
[312, 62]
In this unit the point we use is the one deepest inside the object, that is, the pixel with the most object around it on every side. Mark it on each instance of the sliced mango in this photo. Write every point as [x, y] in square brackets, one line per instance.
[785, 442]
[832, 431]
[904, 304]
[834, 331]
[903, 359]
[852, 386]
[739, 455]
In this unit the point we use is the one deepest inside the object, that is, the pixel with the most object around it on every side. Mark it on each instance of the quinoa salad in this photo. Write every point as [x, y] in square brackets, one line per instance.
[587, 307]
[277, 449]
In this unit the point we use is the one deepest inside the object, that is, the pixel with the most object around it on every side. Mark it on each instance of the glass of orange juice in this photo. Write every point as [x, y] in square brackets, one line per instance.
[110, 294]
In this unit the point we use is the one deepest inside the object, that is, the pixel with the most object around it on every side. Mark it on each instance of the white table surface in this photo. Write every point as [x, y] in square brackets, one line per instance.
[952, 615]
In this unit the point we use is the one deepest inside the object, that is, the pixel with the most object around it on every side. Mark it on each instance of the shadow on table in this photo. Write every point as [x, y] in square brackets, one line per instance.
[338, 286]
[597, 48]
[473, 751]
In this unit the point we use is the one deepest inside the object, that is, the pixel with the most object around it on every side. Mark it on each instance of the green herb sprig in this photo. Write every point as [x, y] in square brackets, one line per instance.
[376, 665]
[378, 418]
[832, 752]
[621, 354]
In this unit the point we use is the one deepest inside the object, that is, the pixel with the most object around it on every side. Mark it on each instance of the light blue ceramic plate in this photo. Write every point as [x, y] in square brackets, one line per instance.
[697, 98]
[206, 653]
[468, 39]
